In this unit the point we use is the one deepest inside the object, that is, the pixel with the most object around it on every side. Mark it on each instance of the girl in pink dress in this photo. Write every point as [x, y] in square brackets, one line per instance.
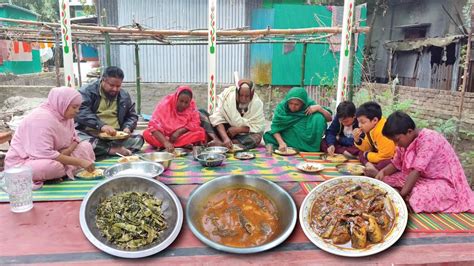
[425, 169]
[47, 141]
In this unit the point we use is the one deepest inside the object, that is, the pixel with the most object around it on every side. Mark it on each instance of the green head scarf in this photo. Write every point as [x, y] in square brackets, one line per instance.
[283, 118]
[298, 130]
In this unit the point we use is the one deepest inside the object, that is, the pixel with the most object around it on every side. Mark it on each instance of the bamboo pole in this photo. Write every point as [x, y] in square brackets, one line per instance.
[107, 39]
[57, 63]
[78, 55]
[463, 88]
[138, 78]
[303, 63]
[198, 32]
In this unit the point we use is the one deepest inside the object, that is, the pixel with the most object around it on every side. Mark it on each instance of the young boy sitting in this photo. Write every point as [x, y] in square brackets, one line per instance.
[376, 149]
[339, 138]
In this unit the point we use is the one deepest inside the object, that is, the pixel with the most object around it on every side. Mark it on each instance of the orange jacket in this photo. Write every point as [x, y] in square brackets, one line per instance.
[382, 148]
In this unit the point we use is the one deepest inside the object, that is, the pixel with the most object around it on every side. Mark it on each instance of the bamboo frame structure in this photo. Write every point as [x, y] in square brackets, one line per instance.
[41, 31]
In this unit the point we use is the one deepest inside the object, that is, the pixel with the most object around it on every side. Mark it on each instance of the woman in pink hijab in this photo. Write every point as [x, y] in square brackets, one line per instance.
[175, 122]
[47, 141]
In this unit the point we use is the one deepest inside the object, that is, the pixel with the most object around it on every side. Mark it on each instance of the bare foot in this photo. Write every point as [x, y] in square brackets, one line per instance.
[370, 170]
[121, 150]
[214, 142]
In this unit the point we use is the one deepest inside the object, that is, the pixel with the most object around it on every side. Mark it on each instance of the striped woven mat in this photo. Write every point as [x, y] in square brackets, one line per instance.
[428, 222]
[185, 170]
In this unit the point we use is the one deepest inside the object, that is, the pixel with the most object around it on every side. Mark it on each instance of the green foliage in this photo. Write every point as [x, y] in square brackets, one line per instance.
[88, 10]
[48, 10]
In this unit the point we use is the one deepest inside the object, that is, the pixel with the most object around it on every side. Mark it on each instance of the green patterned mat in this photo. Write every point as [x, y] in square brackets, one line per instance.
[185, 170]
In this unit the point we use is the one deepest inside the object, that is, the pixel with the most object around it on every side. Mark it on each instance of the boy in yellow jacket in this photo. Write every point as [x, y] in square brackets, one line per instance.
[376, 149]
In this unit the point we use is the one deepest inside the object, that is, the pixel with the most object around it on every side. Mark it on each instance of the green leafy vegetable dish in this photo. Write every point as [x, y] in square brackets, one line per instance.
[131, 220]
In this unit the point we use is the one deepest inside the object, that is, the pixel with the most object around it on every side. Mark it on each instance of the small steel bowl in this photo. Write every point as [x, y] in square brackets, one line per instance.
[148, 169]
[217, 149]
[287, 212]
[164, 158]
[171, 207]
[210, 159]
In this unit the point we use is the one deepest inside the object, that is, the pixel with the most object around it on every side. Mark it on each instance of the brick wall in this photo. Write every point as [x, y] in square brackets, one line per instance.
[430, 104]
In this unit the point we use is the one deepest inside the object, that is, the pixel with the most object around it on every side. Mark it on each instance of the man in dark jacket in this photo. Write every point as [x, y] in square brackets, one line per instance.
[339, 138]
[107, 108]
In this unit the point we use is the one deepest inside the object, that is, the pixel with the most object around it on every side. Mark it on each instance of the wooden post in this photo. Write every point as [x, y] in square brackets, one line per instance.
[78, 54]
[68, 62]
[303, 63]
[345, 52]
[138, 78]
[57, 57]
[389, 70]
[463, 87]
[107, 38]
[211, 58]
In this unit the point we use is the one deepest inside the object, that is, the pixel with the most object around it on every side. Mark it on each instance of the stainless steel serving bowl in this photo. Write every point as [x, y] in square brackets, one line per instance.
[217, 149]
[171, 207]
[164, 158]
[210, 159]
[287, 212]
[142, 168]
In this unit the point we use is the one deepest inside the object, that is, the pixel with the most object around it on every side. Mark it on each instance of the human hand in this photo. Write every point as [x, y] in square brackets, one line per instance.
[109, 130]
[357, 132]
[67, 151]
[312, 109]
[282, 147]
[88, 165]
[174, 136]
[331, 150]
[380, 175]
[169, 147]
[228, 143]
[127, 130]
[232, 132]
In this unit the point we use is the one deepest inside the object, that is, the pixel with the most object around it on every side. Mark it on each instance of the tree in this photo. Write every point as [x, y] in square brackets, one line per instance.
[48, 10]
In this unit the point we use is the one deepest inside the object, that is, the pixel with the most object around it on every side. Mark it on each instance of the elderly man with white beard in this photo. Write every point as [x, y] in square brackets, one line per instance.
[238, 117]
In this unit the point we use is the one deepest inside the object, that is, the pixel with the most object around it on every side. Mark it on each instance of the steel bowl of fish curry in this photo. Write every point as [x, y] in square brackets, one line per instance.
[353, 216]
[131, 216]
[241, 214]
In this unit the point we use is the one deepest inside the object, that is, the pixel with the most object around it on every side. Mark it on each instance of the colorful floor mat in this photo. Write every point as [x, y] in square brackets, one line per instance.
[429, 222]
[330, 170]
[185, 170]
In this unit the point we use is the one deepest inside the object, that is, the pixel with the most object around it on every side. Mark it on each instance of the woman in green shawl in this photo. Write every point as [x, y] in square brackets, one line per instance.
[298, 122]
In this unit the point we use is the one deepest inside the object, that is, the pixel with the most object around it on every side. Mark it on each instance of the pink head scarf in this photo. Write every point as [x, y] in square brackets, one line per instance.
[167, 119]
[59, 100]
[45, 131]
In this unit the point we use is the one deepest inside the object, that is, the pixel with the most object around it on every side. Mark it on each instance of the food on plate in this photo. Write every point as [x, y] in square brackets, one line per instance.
[236, 148]
[354, 169]
[337, 158]
[289, 151]
[310, 167]
[239, 217]
[131, 220]
[118, 135]
[127, 159]
[353, 215]
[244, 155]
[89, 175]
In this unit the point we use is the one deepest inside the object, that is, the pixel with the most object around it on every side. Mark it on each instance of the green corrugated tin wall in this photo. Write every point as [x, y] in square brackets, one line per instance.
[271, 3]
[321, 66]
